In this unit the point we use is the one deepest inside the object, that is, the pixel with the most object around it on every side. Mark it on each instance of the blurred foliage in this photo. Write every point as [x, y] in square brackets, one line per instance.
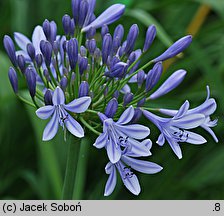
[31, 169]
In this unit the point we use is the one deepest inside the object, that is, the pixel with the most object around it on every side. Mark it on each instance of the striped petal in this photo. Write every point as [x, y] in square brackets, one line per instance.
[58, 96]
[195, 138]
[126, 116]
[52, 128]
[111, 182]
[101, 141]
[37, 37]
[74, 127]
[175, 147]
[45, 112]
[79, 105]
[21, 40]
[113, 152]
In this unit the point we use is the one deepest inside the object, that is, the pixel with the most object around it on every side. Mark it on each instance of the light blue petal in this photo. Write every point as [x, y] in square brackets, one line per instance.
[111, 182]
[161, 140]
[126, 116]
[132, 184]
[126, 89]
[189, 121]
[58, 97]
[109, 16]
[101, 141]
[183, 110]
[175, 147]
[37, 37]
[52, 128]
[171, 83]
[141, 165]
[45, 112]
[135, 131]
[21, 40]
[79, 105]
[209, 130]
[113, 151]
[195, 138]
[74, 127]
[168, 112]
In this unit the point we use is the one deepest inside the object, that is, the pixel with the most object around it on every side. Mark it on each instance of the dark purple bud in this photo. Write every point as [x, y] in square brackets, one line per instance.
[84, 89]
[31, 51]
[140, 78]
[72, 27]
[65, 45]
[76, 9]
[66, 23]
[116, 45]
[106, 89]
[65, 71]
[48, 97]
[149, 38]
[118, 70]
[116, 94]
[104, 30]
[31, 81]
[84, 6]
[10, 49]
[21, 63]
[47, 29]
[73, 76]
[91, 33]
[114, 61]
[46, 74]
[119, 33]
[13, 79]
[56, 47]
[39, 60]
[53, 32]
[63, 83]
[97, 54]
[153, 76]
[137, 115]
[83, 64]
[46, 49]
[91, 46]
[106, 47]
[131, 58]
[122, 49]
[131, 38]
[175, 49]
[111, 108]
[83, 51]
[128, 97]
[72, 51]
[141, 102]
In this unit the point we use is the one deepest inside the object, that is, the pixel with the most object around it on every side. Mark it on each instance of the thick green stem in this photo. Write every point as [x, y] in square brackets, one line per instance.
[70, 172]
[81, 169]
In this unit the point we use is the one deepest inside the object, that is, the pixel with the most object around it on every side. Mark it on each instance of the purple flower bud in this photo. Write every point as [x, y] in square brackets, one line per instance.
[72, 27]
[48, 97]
[128, 97]
[72, 51]
[175, 49]
[109, 16]
[104, 30]
[53, 32]
[122, 49]
[172, 82]
[97, 54]
[83, 64]
[66, 23]
[31, 81]
[13, 79]
[111, 108]
[119, 33]
[106, 89]
[39, 60]
[46, 49]
[140, 78]
[83, 51]
[76, 9]
[73, 78]
[84, 89]
[91, 46]
[131, 58]
[118, 70]
[141, 102]
[106, 47]
[116, 45]
[56, 47]
[10, 49]
[131, 38]
[46, 74]
[65, 71]
[153, 76]
[91, 33]
[47, 29]
[63, 83]
[116, 94]
[84, 6]
[150, 36]
[21, 63]
[137, 115]
[31, 51]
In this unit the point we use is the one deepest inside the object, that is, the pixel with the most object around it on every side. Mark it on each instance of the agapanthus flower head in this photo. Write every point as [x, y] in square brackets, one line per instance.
[82, 82]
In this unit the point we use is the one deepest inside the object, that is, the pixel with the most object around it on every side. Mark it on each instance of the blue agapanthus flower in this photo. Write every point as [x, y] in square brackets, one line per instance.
[90, 79]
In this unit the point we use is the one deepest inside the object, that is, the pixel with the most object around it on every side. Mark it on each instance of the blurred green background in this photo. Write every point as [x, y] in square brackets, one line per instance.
[31, 169]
